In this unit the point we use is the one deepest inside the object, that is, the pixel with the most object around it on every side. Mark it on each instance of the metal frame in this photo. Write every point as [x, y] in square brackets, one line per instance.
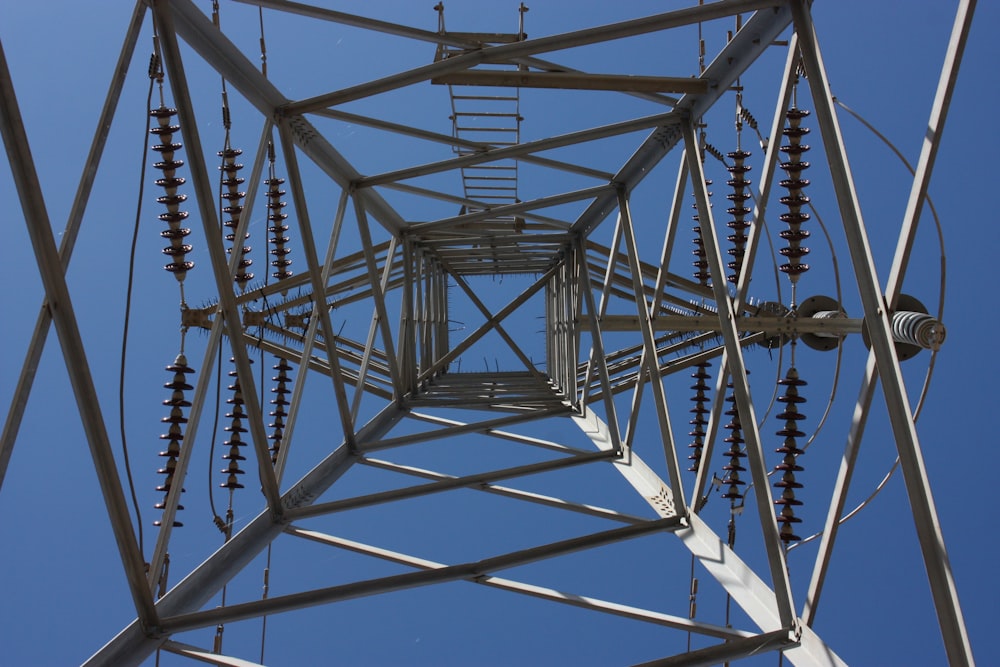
[414, 369]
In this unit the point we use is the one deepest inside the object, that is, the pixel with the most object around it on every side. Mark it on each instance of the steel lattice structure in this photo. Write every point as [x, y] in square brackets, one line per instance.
[603, 387]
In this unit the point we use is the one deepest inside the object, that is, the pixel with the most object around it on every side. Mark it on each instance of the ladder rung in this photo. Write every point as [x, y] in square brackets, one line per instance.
[491, 114]
[485, 129]
[490, 178]
[491, 167]
[484, 97]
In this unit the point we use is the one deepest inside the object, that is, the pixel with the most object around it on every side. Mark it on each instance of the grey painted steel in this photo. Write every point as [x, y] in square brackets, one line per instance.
[405, 581]
[942, 582]
[921, 180]
[134, 644]
[316, 278]
[209, 43]
[518, 494]
[726, 567]
[526, 148]
[450, 140]
[310, 341]
[732, 649]
[746, 46]
[508, 52]
[544, 593]
[446, 485]
[649, 353]
[50, 266]
[741, 389]
[26, 379]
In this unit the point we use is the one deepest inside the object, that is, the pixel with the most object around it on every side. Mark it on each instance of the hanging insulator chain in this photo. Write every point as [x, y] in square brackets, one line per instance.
[235, 429]
[790, 451]
[177, 250]
[795, 200]
[175, 433]
[700, 410]
[700, 263]
[280, 403]
[739, 210]
[233, 198]
[278, 228]
[734, 467]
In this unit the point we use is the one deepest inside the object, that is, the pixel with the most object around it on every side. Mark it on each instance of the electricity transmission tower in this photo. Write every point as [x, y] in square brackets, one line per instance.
[487, 343]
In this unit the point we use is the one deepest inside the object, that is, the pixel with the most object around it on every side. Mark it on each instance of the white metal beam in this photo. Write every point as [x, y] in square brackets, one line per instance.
[942, 583]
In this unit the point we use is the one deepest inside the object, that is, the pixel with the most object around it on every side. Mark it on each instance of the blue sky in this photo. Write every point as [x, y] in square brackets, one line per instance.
[64, 593]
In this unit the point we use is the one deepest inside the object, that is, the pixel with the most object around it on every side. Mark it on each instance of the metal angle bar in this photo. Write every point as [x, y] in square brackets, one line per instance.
[509, 209]
[134, 643]
[625, 83]
[461, 429]
[506, 52]
[939, 111]
[750, 593]
[455, 352]
[450, 39]
[222, 55]
[635, 471]
[839, 496]
[741, 390]
[649, 349]
[377, 295]
[500, 435]
[669, 236]
[942, 584]
[592, 604]
[747, 45]
[929, 146]
[733, 649]
[216, 253]
[508, 492]
[499, 329]
[771, 155]
[202, 655]
[376, 25]
[372, 330]
[310, 341]
[598, 359]
[407, 353]
[446, 484]
[246, 610]
[172, 500]
[747, 324]
[316, 280]
[547, 221]
[50, 267]
[26, 379]
[602, 308]
[603, 132]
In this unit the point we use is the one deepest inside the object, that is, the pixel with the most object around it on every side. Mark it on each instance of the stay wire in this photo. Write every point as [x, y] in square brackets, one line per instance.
[128, 312]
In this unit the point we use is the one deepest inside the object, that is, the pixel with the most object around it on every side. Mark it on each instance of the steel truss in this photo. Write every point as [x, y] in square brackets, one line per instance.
[409, 274]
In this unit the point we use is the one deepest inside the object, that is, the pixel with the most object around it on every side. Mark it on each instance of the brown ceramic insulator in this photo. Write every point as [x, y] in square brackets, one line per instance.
[167, 147]
[233, 198]
[795, 200]
[739, 183]
[790, 452]
[175, 433]
[277, 228]
[280, 391]
[699, 422]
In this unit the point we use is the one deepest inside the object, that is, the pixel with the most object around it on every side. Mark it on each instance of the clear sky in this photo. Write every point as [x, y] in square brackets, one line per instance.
[63, 591]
